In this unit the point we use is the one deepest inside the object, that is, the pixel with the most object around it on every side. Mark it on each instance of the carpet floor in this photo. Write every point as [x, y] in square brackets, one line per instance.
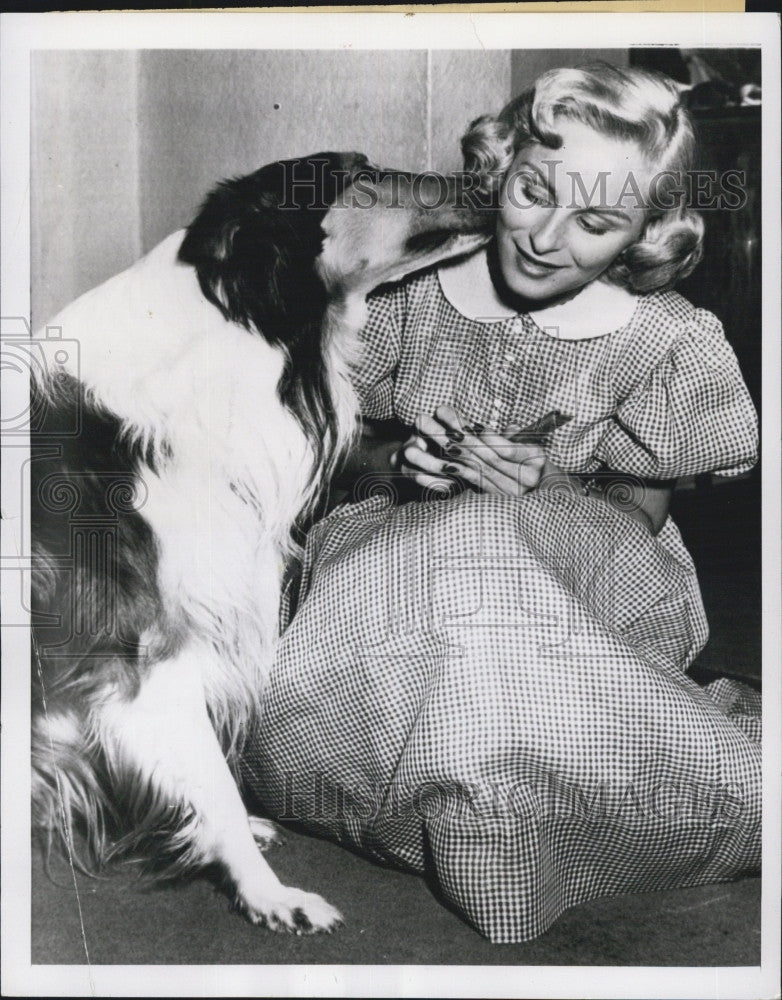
[392, 917]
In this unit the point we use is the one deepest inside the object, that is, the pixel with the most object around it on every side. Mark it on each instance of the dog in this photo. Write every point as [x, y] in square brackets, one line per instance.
[210, 405]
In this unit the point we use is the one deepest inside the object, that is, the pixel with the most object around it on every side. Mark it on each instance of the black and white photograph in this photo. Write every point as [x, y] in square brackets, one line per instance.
[390, 504]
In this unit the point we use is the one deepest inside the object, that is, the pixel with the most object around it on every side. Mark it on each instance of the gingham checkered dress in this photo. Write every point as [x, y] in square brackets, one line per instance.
[493, 689]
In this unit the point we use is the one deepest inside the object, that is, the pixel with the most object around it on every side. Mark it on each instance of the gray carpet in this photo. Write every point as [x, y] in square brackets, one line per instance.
[390, 918]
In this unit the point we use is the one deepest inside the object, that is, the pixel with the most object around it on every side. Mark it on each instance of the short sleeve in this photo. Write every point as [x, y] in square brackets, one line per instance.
[692, 413]
[380, 343]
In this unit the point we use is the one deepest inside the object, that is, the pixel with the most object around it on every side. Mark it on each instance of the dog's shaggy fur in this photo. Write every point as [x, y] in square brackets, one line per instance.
[210, 403]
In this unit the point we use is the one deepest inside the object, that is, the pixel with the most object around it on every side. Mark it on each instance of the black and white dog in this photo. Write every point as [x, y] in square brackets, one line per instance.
[211, 403]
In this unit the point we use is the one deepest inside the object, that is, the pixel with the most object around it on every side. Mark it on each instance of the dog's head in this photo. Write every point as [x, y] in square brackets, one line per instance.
[388, 223]
[256, 240]
[272, 250]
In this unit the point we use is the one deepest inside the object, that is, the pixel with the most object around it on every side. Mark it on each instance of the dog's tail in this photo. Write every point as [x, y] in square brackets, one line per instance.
[73, 772]
[70, 800]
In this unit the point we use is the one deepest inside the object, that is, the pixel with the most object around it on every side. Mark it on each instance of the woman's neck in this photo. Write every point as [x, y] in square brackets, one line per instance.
[518, 303]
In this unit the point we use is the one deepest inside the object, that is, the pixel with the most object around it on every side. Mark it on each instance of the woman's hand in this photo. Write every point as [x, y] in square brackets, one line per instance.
[446, 446]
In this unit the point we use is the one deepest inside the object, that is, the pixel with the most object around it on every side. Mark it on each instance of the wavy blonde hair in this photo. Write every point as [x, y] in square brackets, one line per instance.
[625, 104]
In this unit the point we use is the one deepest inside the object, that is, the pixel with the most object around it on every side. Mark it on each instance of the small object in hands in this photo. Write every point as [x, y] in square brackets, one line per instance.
[541, 430]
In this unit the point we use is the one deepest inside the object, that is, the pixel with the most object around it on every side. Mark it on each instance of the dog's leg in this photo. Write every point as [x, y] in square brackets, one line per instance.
[164, 749]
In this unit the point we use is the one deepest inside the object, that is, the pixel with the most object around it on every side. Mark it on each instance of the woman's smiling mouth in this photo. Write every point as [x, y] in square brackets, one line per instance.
[533, 267]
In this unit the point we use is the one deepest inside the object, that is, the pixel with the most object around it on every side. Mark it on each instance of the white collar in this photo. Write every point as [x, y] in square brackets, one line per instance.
[598, 309]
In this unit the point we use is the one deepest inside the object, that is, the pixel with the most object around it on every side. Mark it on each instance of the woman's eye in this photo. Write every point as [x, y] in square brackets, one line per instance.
[536, 194]
[533, 192]
[591, 227]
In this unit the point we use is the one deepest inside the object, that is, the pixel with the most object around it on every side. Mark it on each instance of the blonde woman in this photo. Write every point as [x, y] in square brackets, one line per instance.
[488, 682]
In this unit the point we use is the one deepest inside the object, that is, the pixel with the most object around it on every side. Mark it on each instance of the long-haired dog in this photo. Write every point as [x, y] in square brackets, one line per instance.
[206, 404]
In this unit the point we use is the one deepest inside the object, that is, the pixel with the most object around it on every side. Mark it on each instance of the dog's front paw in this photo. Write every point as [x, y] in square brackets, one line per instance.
[291, 910]
[265, 833]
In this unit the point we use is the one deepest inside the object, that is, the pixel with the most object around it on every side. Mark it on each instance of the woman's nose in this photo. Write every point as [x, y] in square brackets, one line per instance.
[546, 235]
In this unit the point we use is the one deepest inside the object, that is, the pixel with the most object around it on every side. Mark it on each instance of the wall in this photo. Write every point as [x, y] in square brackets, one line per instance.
[84, 223]
[126, 144]
[528, 64]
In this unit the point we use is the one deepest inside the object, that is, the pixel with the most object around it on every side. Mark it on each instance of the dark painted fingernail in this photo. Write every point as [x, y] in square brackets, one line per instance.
[476, 428]
[451, 469]
[452, 449]
[454, 435]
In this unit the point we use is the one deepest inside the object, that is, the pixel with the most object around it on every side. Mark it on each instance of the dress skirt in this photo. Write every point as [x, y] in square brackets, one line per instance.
[493, 690]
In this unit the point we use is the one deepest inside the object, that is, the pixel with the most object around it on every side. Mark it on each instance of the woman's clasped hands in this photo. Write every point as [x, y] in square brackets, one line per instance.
[445, 446]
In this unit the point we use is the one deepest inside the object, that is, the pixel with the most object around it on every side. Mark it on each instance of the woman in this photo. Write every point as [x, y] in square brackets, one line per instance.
[490, 685]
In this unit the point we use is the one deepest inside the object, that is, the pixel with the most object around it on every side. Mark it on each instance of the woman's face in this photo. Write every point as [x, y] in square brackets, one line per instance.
[567, 214]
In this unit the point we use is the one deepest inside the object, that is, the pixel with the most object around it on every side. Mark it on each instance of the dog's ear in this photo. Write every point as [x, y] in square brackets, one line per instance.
[254, 242]
[251, 258]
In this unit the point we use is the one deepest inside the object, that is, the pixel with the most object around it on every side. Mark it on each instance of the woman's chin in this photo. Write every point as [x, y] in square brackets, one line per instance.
[530, 295]
[541, 296]
[527, 292]
[537, 290]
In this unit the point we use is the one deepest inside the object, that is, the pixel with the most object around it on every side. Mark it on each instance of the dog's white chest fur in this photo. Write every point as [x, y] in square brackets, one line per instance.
[230, 463]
